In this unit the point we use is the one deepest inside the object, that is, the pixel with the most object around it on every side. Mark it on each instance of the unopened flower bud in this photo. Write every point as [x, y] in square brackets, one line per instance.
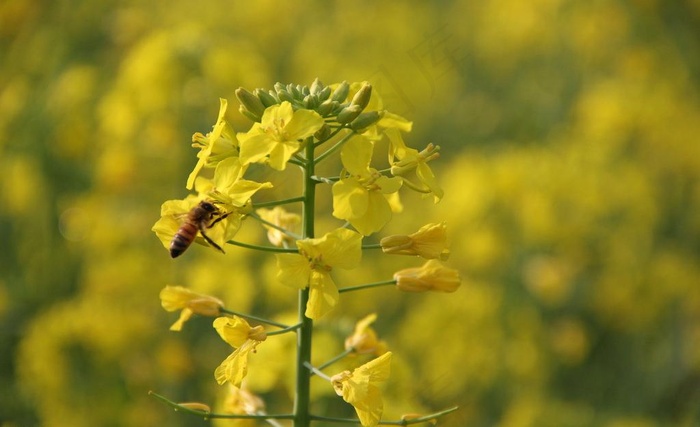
[311, 101]
[279, 87]
[251, 102]
[323, 133]
[429, 242]
[285, 95]
[324, 94]
[349, 114]
[340, 94]
[248, 114]
[362, 96]
[326, 107]
[316, 87]
[432, 276]
[295, 90]
[266, 98]
[366, 120]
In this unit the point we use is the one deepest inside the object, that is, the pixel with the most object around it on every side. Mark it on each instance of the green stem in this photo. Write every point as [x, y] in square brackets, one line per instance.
[283, 331]
[302, 399]
[335, 359]
[315, 371]
[334, 133]
[324, 180]
[335, 147]
[263, 248]
[372, 246]
[257, 319]
[332, 179]
[208, 415]
[296, 161]
[278, 202]
[367, 286]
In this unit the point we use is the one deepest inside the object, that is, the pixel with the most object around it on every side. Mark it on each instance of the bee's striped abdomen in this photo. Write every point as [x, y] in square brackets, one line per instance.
[183, 239]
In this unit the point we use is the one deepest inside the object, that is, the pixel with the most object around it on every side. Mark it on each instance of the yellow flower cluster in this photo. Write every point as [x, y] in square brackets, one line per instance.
[289, 125]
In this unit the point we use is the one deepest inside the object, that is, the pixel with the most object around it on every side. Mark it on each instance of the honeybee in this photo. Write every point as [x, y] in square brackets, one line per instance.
[204, 215]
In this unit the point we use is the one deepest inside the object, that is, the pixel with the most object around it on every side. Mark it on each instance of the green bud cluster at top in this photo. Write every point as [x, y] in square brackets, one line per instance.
[329, 103]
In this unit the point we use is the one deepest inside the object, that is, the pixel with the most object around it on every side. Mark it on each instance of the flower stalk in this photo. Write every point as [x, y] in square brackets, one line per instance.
[302, 398]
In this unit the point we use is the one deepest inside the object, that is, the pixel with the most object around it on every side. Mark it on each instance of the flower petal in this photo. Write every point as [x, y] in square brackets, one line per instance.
[293, 271]
[323, 295]
[342, 248]
[303, 123]
[350, 199]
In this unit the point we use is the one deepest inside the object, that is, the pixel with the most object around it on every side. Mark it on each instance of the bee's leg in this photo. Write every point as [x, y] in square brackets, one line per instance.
[222, 216]
[210, 241]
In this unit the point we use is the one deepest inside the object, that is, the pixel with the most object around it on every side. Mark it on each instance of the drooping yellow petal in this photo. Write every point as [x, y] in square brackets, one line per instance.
[185, 315]
[361, 388]
[425, 174]
[323, 295]
[235, 367]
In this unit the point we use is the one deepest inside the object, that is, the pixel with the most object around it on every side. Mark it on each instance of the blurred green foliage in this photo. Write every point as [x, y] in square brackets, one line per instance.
[571, 164]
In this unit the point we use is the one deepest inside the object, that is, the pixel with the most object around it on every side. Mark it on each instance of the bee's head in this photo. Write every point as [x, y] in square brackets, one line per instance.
[208, 206]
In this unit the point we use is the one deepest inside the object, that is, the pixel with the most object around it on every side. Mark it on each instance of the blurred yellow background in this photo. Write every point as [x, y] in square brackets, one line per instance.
[570, 162]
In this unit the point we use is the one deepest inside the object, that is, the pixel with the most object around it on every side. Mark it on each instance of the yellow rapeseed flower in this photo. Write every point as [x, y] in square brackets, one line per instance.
[360, 388]
[244, 338]
[278, 135]
[431, 276]
[240, 401]
[311, 267]
[360, 197]
[282, 219]
[429, 242]
[174, 298]
[404, 160]
[215, 146]
[364, 339]
[228, 186]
